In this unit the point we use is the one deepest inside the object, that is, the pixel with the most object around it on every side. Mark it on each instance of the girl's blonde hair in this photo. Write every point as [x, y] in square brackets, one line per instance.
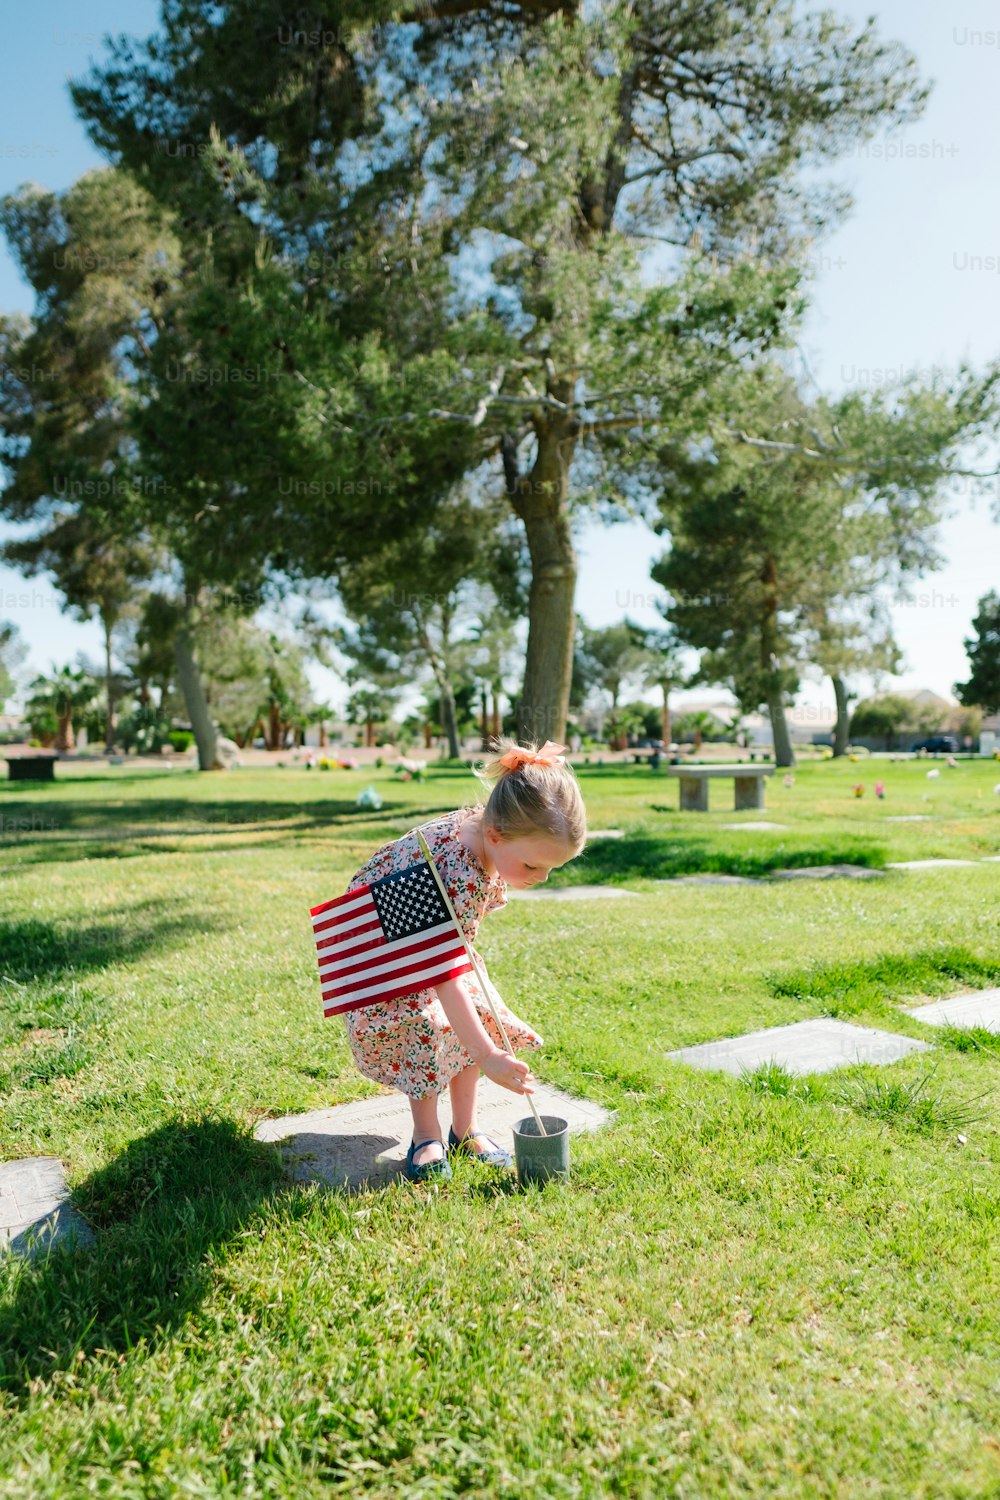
[533, 799]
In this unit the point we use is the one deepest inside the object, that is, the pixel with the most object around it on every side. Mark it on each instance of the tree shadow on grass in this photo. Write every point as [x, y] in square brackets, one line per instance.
[40, 831]
[161, 1209]
[662, 856]
[46, 1012]
[31, 949]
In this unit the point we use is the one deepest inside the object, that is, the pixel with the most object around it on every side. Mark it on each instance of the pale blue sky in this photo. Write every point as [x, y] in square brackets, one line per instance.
[911, 280]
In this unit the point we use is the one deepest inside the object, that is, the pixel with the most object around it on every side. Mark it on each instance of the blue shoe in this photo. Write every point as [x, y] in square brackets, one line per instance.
[428, 1170]
[497, 1157]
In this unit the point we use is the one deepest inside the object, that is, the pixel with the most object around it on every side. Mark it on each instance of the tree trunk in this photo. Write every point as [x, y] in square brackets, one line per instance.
[449, 717]
[484, 726]
[496, 727]
[437, 660]
[65, 739]
[540, 500]
[428, 737]
[842, 726]
[188, 676]
[274, 735]
[322, 734]
[665, 727]
[784, 755]
[109, 723]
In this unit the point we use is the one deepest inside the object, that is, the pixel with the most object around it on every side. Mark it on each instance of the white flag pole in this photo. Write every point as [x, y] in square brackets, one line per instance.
[483, 982]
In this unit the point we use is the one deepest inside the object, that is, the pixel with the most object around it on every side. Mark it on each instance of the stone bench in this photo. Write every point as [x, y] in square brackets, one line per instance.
[31, 767]
[748, 780]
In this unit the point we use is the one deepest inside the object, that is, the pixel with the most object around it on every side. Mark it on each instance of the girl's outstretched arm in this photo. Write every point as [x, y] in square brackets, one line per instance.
[458, 1006]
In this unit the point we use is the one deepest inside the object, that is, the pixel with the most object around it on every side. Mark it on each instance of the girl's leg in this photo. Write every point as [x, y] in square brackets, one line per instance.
[426, 1128]
[464, 1091]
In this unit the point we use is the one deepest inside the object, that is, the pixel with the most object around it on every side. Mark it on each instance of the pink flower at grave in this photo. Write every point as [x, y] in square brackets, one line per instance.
[880, 788]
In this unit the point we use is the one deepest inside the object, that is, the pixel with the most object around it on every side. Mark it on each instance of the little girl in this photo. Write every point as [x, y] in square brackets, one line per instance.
[533, 822]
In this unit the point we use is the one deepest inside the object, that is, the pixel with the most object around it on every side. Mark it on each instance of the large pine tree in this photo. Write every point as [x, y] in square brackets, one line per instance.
[463, 193]
[983, 650]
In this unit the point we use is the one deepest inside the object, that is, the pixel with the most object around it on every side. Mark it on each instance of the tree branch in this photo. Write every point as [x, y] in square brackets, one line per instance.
[842, 460]
[475, 418]
[682, 159]
[822, 453]
[449, 8]
[340, 426]
[626, 419]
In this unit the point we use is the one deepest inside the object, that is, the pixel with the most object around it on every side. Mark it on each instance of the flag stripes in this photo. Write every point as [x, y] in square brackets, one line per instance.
[385, 939]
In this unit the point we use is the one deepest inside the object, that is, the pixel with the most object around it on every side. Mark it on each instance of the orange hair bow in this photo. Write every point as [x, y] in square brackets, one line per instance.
[550, 754]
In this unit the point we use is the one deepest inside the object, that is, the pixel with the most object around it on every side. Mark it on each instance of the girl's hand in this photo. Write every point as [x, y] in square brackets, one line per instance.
[509, 1072]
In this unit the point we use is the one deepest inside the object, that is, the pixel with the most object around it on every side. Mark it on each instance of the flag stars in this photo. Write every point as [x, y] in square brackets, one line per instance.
[408, 902]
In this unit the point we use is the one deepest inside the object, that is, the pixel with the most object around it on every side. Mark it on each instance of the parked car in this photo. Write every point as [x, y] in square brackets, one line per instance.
[937, 744]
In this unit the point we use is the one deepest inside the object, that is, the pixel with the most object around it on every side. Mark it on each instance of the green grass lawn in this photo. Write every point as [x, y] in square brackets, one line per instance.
[766, 1286]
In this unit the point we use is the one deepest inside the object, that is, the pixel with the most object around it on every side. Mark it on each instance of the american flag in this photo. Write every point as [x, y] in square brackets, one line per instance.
[386, 939]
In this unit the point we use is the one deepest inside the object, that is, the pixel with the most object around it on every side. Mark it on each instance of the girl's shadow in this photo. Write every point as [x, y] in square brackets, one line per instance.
[160, 1209]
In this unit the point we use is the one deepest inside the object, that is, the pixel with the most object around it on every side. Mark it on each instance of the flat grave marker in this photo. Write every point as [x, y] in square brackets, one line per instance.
[35, 1208]
[930, 864]
[803, 1047]
[574, 893]
[754, 827]
[364, 1144]
[980, 1008]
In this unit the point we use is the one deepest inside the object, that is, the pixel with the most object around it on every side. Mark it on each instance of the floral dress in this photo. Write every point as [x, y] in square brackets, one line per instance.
[408, 1043]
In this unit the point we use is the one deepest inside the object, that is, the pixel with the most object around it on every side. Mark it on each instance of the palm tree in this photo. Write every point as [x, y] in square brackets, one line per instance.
[370, 707]
[66, 693]
[699, 723]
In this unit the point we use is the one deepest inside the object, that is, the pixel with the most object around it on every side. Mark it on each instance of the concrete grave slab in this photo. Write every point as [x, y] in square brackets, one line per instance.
[930, 864]
[826, 872]
[753, 827]
[909, 818]
[710, 880]
[574, 893]
[35, 1211]
[605, 833]
[980, 1008]
[804, 1047]
[991, 859]
[364, 1144]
